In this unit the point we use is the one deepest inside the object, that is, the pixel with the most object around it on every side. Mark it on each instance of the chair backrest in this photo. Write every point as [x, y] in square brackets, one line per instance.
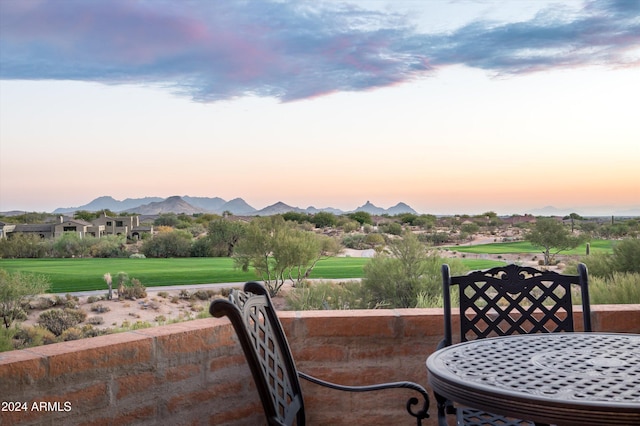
[513, 299]
[267, 351]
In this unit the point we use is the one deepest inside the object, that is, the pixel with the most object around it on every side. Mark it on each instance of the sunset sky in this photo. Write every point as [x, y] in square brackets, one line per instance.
[449, 106]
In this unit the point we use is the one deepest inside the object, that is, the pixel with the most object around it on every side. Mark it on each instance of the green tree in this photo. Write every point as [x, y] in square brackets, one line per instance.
[278, 251]
[168, 244]
[626, 255]
[396, 278]
[68, 244]
[324, 220]
[361, 217]
[22, 246]
[573, 217]
[296, 217]
[15, 290]
[166, 219]
[552, 236]
[84, 215]
[223, 235]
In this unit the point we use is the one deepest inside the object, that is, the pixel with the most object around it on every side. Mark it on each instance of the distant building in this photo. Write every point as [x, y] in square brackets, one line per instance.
[100, 227]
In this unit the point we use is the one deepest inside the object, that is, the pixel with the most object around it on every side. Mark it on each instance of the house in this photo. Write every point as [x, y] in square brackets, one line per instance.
[122, 225]
[103, 225]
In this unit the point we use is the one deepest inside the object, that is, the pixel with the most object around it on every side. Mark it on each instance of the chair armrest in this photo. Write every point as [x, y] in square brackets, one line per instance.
[419, 415]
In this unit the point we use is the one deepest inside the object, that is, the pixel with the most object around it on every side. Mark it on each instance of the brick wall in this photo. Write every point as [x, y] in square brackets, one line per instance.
[194, 372]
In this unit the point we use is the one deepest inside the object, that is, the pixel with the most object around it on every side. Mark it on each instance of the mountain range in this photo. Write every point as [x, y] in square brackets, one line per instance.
[194, 205]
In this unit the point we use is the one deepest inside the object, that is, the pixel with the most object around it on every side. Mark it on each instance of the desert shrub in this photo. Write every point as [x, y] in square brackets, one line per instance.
[93, 299]
[26, 337]
[426, 300]
[163, 294]
[363, 241]
[184, 294]
[393, 228]
[6, 338]
[626, 255]
[132, 290]
[354, 241]
[59, 320]
[195, 307]
[41, 303]
[326, 295]
[598, 264]
[203, 314]
[100, 308]
[73, 333]
[109, 246]
[17, 313]
[96, 320]
[140, 324]
[201, 295]
[168, 244]
[160, 318]
[434, 238]
[89, 331]
[620, 288]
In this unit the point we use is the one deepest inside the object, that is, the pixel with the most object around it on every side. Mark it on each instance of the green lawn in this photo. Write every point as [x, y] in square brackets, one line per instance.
[597, 246]
[70, 275]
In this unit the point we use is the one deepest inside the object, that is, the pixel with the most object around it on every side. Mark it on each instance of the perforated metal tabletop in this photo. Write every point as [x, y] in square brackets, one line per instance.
[552, 378]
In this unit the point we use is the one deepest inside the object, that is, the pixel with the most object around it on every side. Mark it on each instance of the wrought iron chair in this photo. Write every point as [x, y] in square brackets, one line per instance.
[267, 351]
[508, 300]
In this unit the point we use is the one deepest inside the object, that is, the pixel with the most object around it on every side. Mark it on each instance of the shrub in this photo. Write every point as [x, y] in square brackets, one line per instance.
[140, 324]
[100, 308]
[59, 320]
[326, 295]
[195, 307]
[73, 333]
[90, 331]
[620, 288]
[42, 303]
[201, 295]
[97, 320]
[6, 338]
[33, 336]
[626, 255]
[132, 290]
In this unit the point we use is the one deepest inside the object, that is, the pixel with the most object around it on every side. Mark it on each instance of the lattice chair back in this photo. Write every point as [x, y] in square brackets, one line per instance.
[267, 351]
[502, 301]
[514, 299]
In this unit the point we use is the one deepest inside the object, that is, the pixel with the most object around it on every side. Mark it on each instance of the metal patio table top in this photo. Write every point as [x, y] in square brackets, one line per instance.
[550, 378]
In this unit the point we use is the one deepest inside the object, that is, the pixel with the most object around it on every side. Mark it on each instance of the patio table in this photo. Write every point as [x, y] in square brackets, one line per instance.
[550, 378]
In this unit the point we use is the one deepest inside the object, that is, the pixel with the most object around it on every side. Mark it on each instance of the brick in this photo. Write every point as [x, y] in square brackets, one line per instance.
[376, 323]
[135, 384]
[19, 369]
[247, 414]
[187, 401]
[176, 374]
[321, 353]
[109, 352]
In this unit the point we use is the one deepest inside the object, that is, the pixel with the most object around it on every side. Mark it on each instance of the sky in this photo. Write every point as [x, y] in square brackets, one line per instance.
[453, 107]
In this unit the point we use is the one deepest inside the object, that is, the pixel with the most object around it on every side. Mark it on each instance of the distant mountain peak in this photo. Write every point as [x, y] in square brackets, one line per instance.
[192, 205]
